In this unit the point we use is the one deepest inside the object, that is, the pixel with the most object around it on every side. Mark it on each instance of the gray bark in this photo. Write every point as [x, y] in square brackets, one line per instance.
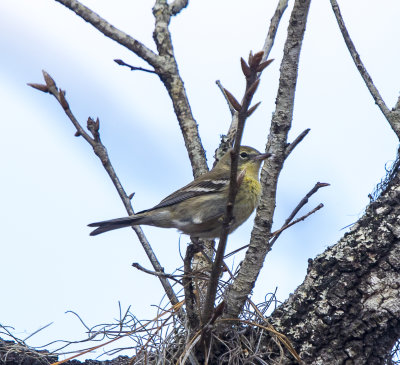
[244, 282]
[347, 311]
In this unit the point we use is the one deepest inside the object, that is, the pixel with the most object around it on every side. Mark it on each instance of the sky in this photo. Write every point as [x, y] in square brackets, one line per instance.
[52, 185]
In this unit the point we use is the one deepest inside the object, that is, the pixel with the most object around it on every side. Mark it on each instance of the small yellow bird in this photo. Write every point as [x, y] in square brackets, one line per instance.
[198, 208]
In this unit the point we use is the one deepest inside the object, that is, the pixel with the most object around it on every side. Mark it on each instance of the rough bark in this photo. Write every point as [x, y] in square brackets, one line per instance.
[347, 311]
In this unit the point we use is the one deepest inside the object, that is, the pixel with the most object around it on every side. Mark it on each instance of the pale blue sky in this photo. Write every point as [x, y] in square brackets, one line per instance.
[52, 185]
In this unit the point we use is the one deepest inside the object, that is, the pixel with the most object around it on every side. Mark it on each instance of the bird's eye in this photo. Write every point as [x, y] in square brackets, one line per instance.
[244, 155]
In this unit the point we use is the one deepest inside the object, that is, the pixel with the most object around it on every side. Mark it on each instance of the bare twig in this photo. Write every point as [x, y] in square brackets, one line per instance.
[302, 218]
[101, 152]
[287, 224]
[155, 273]
[38, 330]
[298, 139]
[393, 117]
[273, 27]
[243, 284]
[301, 204]
[133, 68]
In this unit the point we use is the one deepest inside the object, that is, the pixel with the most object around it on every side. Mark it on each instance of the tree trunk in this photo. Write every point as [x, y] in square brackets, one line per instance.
[347, 311]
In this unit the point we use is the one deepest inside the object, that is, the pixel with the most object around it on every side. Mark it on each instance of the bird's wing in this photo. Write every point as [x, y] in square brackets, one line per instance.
[195, 188]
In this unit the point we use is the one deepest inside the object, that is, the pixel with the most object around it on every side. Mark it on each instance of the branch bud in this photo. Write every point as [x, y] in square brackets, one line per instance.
[236, 105]
[49, 82]
[250, 60]
[40, 87]
[263, 65]
[245, 68]
[256, 59]
[63, 101]
[253, 108]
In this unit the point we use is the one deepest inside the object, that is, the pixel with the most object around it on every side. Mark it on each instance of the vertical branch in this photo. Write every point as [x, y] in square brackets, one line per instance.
[251, 72]
[242, 286]
[168, 72]
[269, 42]
[273, 27]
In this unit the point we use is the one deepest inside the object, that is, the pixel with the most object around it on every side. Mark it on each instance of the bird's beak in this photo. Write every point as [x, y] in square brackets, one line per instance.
[262, 156]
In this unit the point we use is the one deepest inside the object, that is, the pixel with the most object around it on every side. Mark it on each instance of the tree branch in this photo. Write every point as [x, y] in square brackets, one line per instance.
[171, 79]
[293, 145]
[349, 297]
[273, 27]
[251, 72]
[112, 32]
[133, 68]
[393, 117]
[302, 203]
[101, 152]
[177, 5]
[164, 65]
[242, 286]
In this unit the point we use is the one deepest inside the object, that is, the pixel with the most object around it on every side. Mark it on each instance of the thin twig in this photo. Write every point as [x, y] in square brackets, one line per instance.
[175, 308]
[275, 235]
[393, 117]
[133, 68]
[301, 204]
[273, 27]
[155, 273]
[299, 138]
[302, 218]
[101, 152]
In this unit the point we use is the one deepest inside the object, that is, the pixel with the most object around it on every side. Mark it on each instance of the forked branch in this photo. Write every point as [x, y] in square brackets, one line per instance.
[164, 65]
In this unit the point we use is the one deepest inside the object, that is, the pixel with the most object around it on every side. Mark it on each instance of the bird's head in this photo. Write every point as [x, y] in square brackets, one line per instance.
[249, 159]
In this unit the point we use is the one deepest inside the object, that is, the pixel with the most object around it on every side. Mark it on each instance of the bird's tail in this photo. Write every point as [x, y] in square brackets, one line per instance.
[117, 223]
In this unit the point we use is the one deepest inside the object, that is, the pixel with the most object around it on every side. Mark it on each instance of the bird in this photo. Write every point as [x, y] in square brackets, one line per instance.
[198, 208]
